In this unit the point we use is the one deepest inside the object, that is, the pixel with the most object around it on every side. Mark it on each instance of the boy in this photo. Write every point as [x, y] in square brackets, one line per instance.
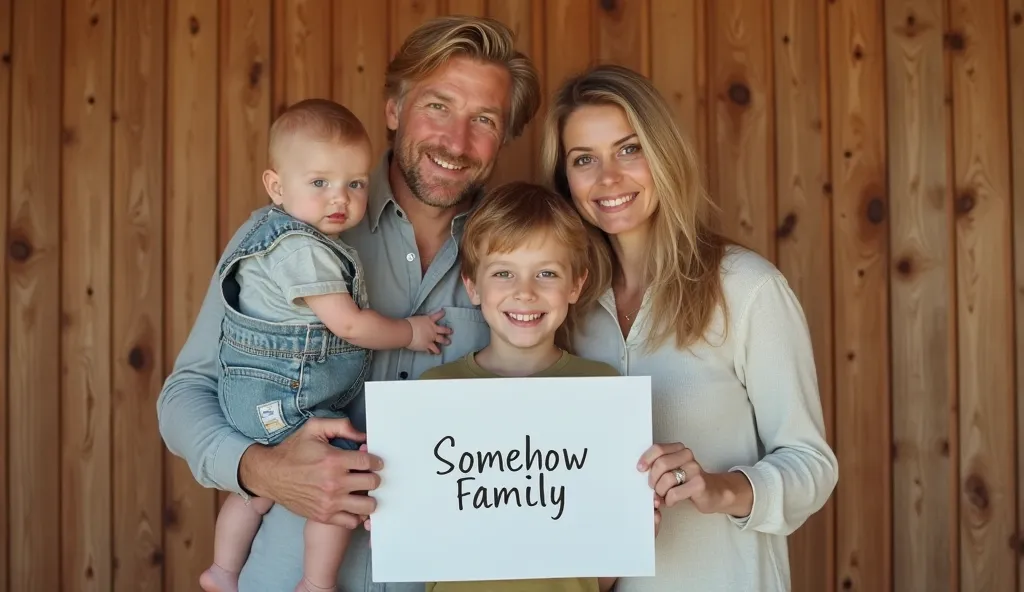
[524, 262]
[297, 331]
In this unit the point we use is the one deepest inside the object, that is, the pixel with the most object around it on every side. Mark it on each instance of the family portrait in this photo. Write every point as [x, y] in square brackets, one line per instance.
[414, 267]
[512, 295]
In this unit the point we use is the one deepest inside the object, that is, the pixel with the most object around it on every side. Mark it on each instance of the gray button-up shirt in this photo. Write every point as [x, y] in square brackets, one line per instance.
[193, 426]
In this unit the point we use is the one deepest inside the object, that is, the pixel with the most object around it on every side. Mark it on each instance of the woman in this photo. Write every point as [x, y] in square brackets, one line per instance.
[742, 459]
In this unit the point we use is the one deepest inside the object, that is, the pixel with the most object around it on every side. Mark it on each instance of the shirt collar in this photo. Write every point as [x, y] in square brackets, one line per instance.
[381, 195]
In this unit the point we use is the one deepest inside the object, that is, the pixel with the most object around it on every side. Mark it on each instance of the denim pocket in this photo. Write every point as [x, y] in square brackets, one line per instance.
[260, 402]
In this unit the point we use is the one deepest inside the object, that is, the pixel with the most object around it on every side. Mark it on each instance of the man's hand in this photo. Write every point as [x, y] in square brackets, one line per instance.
[312, 478]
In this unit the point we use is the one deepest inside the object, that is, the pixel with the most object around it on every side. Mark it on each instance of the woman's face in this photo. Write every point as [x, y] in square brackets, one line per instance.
[608, 174]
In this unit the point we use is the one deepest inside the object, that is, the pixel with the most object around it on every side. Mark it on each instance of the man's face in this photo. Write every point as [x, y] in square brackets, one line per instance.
[449, 128]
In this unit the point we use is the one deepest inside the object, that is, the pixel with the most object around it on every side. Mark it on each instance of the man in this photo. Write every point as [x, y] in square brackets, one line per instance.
[456, 91]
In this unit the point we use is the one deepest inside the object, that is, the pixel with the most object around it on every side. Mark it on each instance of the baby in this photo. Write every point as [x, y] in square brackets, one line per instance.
[297, 331]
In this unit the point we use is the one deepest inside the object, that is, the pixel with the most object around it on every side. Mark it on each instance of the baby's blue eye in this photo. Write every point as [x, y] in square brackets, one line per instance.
[356, 184]
[320, 183]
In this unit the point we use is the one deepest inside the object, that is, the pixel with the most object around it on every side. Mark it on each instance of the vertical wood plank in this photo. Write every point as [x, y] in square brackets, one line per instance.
[244, 114]
[1016, 47]
[86, 298]
[190, 218]
[977, 41]
[516, 160]
[139, 85]
[860, 284]
[360, 60]
[923, 315]
[804, 235]
[679, 65]
[5, 188]
[568, 26]
[742, 126]
[33, 276]
[624, 34]
[466, 7]
[406, 16]
[302, 50]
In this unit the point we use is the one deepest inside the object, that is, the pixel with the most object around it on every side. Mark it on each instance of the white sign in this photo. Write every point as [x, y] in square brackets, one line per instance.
[511, 478]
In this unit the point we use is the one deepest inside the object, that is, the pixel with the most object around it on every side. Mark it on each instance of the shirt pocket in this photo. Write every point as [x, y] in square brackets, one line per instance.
[470, 332]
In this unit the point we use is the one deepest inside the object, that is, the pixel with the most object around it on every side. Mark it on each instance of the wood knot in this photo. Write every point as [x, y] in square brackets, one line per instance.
[114, 117]
[847, 154]
[1017, 543]
[6, 58]
[739, 93]
[858, 52]
[88, 291]
[905, 266]
[360, 68]
[157, 558]
[94, 20]
[977, 492]
[90, 99]
[965, 203]
[255, 73]
[876, 211]
[847, 583]
[944, 447]
[20, 250]
[785, 39]
[607, 5]
[68, 136]
[193, 25]
[954, 40]
[89, 573]
[826, 188]
[170, 516]
[1018, 19]
[851, 356]
[911, 21]
[787, 226]
[137, 358]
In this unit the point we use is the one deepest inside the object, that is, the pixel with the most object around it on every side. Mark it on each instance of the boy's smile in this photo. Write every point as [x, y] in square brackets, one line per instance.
[525, 294]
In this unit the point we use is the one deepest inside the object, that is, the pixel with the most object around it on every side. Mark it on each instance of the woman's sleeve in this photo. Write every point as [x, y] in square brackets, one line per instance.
[775, 361]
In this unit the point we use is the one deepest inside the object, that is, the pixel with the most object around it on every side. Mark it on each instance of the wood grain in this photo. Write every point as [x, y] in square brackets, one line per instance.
[568, 25]
[860, 285]
[244, 111]
[516, 159]
[803, 236]
[86, 513]
[984, 291]
[678, 66]
[190, 226]
[406, 16]
[5, 189]
[741, 126]
[923, 299]
[624, 34]
[467, 7]
[303, 32]
[360, 60]
[33, 298]
[1016, 72]
[138, 244]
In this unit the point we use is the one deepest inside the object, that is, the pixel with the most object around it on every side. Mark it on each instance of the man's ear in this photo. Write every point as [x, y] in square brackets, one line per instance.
[391, 111]
[474, 296]
[272, 183]
[574, 295]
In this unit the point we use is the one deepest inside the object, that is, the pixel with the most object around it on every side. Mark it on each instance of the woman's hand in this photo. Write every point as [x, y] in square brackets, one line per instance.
[675, 475]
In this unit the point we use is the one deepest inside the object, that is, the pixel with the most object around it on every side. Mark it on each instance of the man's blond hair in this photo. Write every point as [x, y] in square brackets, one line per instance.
[441, 39]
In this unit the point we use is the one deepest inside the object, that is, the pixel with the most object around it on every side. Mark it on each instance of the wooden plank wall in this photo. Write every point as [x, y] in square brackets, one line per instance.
[874, 149]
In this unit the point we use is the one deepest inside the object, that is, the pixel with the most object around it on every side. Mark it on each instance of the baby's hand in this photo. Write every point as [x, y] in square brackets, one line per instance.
[426, 333]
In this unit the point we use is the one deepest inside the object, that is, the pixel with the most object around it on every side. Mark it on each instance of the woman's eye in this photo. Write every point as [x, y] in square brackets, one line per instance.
[581, 160]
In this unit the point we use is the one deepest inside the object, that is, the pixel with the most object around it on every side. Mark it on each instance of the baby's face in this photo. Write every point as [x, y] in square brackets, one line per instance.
[322, 183]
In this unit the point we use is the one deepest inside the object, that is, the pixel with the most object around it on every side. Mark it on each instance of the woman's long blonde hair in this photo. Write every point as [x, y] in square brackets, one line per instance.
[685, 253]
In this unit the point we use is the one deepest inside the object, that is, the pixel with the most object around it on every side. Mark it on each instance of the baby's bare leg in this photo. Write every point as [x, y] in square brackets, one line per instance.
[237, 525]
[325, 550]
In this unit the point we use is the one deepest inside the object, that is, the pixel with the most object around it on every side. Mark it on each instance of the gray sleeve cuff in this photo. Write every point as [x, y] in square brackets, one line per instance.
[226, 462]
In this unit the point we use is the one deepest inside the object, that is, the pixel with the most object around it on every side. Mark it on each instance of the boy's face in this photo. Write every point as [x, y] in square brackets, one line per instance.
[322, 183]
[525, 294]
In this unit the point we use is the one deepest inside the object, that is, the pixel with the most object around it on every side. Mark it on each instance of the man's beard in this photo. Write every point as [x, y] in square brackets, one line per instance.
[437, 195]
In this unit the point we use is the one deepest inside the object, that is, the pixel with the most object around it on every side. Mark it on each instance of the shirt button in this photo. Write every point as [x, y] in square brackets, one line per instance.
[410, 257]
[403, 375]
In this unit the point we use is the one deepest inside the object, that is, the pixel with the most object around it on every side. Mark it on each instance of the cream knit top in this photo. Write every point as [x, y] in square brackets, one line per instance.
[749, 402]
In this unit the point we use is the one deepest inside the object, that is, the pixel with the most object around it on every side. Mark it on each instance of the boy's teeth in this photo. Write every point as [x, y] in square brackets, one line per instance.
[445, 164]
[611, 203]
[524, 317]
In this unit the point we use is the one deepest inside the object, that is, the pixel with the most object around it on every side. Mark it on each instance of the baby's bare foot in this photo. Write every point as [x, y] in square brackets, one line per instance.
[218, 579]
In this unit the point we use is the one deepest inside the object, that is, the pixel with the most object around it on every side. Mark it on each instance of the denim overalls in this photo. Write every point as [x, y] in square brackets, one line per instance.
[275, 376]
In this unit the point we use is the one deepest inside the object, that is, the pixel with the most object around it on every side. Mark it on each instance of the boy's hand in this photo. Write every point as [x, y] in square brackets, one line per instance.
[426, 333]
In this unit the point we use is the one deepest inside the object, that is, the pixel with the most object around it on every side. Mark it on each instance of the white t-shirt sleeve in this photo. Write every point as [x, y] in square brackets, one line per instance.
[302, 266]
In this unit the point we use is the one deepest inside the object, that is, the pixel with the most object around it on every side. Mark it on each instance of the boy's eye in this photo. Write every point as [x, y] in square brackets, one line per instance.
[548, 274]
[502, 274]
